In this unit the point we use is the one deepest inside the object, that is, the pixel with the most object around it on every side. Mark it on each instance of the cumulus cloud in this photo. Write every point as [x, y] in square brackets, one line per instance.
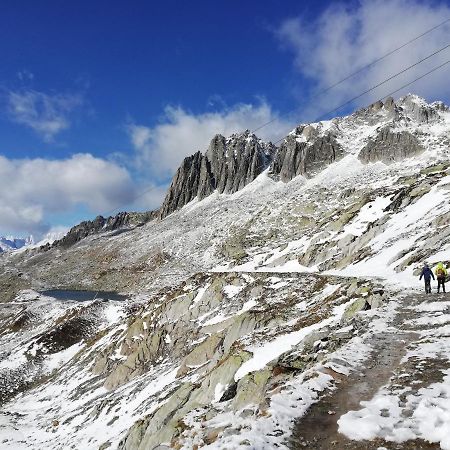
[160, 149]
[45, 114]
[347, 37]
[30, 189]
[149, 196]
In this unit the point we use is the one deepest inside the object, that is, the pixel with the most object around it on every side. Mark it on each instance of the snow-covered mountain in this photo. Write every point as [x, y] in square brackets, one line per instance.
[11, 243]
[274, 290]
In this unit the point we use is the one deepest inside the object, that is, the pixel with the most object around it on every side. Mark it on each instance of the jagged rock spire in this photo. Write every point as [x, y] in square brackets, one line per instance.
[228, 165]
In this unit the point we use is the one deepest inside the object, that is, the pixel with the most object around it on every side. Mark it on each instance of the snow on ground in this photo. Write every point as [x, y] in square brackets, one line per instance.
[192, 239]
[369, 213]
[402, 231]
[267, 430]
[281, 344]
[416, 408]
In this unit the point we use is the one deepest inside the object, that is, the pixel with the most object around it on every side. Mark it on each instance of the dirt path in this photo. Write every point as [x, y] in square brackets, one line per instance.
[318, 430]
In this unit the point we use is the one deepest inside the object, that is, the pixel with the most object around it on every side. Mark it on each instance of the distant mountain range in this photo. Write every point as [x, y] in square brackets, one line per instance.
[10, 243]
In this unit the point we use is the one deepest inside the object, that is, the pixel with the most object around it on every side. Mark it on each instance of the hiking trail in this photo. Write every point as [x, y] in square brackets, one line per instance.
[417, 318]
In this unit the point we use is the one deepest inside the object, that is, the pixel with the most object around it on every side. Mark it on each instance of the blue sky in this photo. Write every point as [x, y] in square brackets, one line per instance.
[130, 61]
[102, 100]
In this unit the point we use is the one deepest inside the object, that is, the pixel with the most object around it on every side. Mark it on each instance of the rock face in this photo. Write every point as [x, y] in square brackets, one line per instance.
[99, 224]
[227, 166]
[305, 156]
[230, 164]
[218, 363]
[390, 146]
[418, 110]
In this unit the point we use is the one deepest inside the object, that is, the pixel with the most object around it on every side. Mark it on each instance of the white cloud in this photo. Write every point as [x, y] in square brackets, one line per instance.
[25, 75]
[46, 114]
[345, 38]
[161, 149]
[30, 189]
[149, 197]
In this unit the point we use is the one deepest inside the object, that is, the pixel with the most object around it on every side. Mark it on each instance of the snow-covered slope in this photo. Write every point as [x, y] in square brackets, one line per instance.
[8, 244]
[252, 304]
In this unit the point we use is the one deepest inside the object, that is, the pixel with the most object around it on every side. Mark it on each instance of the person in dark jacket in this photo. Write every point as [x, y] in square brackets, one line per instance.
[427, 274]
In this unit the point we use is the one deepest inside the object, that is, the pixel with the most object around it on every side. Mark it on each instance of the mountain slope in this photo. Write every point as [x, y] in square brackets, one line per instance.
[253, 302]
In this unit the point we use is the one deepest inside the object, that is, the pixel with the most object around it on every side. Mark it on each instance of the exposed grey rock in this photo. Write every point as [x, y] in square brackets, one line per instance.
[227, 166]
[389, 104]
[390, 146]
[344, 333]
[299, 157]
[185, 183]
[371, 114]
[120, 221]
[415, 109]
[407, 108]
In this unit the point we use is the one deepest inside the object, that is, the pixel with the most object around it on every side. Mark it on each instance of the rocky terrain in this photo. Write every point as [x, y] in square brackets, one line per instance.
[263, 296]
[122, 221]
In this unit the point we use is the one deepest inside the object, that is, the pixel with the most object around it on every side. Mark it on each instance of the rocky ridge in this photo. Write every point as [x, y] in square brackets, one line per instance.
[230, 164]
[226, 167]
[280, 288]
[122, 221]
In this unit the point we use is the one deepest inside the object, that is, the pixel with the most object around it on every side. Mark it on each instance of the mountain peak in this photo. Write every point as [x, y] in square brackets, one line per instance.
[372, 133]
[227, 166]
[11, 243]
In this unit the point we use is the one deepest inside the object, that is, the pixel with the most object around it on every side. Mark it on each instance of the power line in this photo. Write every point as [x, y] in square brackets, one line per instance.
[391, 52]
[351, 75]
[387, 95]
[140, 195]
[417, 79]
[335, 109]
[382, 82]
[279, 140]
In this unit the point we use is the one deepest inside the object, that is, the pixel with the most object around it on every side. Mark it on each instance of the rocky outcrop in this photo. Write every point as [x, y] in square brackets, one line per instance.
[388, 105]
[405, 109]
[418, 110]
[210, 379]
[305, 156]
[122, 220]
[228, 165]
[390, 146]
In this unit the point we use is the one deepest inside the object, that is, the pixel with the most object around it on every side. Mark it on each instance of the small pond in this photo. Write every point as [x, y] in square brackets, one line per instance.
[83, 296]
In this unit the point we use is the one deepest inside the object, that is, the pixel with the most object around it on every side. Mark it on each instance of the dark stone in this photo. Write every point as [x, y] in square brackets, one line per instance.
[305, 158]
[121, 221]
[229, 393]
[228, 165]
[390, 146]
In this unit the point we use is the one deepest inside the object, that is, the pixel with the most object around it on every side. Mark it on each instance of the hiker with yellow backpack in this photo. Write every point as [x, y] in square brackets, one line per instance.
[441, 275]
